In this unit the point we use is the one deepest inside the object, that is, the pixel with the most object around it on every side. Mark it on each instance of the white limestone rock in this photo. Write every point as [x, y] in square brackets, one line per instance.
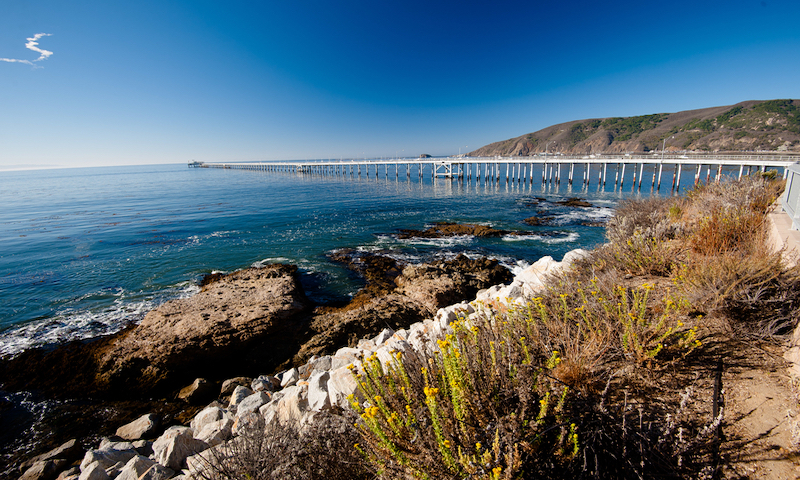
[228, 386]
[341, 384]
[447, 315]
[106, 458]
[41, 470]
[113, 471]
[239, 394]
[177, 443]
[142, 427]
[574, 255]
[201, 465]
[157, 472]
[490, 294]
[402, 334]
[262, 384]
[108, 444]
[93, 471]
[318, 364]
[206, 416]
[268, 412]
[422, 336]
[289, 377]
[318, 392]
[216, 432]
[292, 404]
[251, 404]
[366, 344]
[72, 473]
[135, 468]
[382, 337]
[345, 356]
[247, 423]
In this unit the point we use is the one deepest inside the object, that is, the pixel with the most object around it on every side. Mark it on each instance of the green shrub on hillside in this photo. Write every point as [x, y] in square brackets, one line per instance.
[624, 129]
[725, 117]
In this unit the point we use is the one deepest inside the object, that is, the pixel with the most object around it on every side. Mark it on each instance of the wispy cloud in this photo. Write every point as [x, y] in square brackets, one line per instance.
[32, 45]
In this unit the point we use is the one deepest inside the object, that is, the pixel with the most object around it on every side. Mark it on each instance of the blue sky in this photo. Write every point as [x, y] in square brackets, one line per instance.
[157, 81]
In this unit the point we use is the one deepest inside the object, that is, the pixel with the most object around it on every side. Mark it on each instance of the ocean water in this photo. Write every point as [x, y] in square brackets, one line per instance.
[87, 251]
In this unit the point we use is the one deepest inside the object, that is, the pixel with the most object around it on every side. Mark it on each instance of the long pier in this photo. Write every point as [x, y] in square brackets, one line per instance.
[553, 169]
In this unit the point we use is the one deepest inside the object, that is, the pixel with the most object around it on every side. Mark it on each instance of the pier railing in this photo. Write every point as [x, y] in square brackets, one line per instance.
[791, 196]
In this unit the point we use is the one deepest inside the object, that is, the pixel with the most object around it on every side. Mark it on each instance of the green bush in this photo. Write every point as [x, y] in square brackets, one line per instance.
[485, 406]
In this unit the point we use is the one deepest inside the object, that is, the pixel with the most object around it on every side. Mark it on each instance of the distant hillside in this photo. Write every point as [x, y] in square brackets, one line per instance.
[772, 125]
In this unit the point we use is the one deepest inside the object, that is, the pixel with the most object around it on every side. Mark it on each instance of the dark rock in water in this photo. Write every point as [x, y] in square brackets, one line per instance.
[419, 291]
[378, 270]
[440, 230]
[575, 202]
[443, 283]
[248, 320]
[539, 220]
[536, 202]
[210, 278]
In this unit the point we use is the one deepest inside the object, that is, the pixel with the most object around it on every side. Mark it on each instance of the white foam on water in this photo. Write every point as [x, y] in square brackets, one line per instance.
[517, 237]
[270, 260]
[222, 233]
[442, 242]
[79, 325]
[405, 257]
[585, 214]
[569, 237]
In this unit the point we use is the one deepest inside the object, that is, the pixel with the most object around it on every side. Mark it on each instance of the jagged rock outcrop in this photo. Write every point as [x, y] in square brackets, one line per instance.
[257, 311]
[419, 291]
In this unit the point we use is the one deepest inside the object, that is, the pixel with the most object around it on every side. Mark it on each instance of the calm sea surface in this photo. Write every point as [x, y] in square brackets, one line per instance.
[86, 251]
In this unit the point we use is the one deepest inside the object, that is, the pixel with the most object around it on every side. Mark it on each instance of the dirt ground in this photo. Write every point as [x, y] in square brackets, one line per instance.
[761, 414]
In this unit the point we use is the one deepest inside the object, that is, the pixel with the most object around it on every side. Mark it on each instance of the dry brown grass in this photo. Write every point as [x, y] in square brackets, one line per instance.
[321, 450]
[622, 333]
[733, 270]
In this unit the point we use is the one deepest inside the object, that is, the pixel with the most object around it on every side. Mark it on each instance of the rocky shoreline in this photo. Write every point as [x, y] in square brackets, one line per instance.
[296, 395]
[247, 323]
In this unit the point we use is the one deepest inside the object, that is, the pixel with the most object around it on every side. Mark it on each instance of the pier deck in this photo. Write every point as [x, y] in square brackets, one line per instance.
[552, 168]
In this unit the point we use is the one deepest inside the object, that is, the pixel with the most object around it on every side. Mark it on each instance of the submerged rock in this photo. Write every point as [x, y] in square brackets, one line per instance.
[539, 220]
[574, 202]
[445, 229]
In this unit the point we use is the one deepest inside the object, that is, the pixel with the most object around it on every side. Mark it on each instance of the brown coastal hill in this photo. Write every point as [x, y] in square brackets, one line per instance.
[772, 125]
